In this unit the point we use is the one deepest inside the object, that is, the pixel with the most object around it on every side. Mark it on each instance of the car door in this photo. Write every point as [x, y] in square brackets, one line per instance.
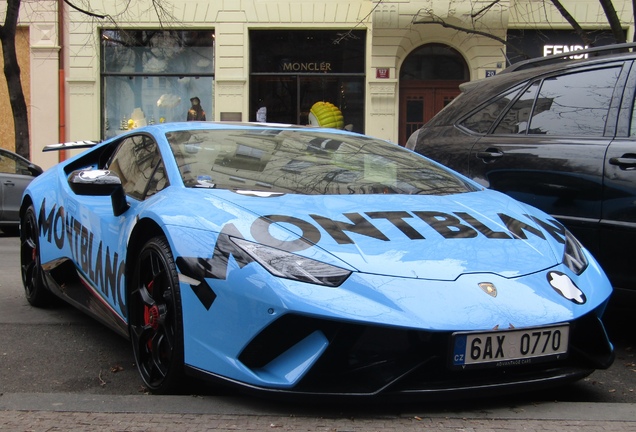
[618, 222]
[102, 236]
[548, 149]
[14, 178]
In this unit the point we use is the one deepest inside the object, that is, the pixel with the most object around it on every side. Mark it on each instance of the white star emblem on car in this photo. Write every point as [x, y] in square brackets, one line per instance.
[566, 287]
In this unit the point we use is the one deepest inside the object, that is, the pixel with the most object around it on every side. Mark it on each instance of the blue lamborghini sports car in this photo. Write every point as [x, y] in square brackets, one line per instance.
[311, 261]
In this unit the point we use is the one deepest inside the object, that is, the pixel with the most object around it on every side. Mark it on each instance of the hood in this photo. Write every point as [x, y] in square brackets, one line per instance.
[416, 236]
[427, 237]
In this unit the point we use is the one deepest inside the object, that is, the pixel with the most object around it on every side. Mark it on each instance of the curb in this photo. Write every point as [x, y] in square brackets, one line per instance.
[236, 405]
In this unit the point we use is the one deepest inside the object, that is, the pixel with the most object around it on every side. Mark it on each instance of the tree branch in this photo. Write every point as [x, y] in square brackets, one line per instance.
[486, 9]
[614, 21]
[349, 33]
[437, 20]
[85, 12]
[575, 25]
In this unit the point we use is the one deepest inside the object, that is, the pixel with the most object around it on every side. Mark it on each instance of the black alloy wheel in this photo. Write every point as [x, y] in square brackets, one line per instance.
[155, 320]
[30, 265]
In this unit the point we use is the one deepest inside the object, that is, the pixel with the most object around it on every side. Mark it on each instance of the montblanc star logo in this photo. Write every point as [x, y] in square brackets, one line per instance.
[564, 286]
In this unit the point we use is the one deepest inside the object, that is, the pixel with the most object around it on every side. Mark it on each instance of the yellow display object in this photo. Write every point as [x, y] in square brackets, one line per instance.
[326, 114]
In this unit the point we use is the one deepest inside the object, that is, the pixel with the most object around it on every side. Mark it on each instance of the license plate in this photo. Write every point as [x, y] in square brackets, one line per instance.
[510, 347]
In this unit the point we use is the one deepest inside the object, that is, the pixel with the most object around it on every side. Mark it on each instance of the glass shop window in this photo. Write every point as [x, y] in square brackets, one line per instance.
[155, 76]
[307, 77]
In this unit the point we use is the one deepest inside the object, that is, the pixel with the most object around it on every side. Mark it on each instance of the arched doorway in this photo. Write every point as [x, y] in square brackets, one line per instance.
[429, 79]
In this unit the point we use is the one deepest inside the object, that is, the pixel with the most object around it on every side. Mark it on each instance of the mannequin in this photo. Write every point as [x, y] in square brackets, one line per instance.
[196, 113]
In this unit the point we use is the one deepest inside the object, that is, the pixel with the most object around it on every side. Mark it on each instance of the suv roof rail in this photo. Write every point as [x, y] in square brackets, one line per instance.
[540, 61]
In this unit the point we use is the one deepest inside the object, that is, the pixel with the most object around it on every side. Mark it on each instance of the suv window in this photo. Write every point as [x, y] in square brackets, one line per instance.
[571, 104]
[516, 119]
[482, 119]
[574, 104]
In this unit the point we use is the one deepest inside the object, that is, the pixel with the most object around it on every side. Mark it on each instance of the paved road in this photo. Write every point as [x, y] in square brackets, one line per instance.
[60, 370]
[186, 413]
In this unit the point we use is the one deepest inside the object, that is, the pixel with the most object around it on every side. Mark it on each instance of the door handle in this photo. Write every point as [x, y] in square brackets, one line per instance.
[625, 162]
[9, 183]
[490, 154]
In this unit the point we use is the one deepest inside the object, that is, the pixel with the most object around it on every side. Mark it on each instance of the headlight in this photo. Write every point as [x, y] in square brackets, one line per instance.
[573, 256]
[290, 266]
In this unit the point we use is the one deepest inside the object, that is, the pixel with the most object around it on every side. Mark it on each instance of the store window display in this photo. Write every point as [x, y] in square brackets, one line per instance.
[307, 77]
[153, 76]
[195, 113]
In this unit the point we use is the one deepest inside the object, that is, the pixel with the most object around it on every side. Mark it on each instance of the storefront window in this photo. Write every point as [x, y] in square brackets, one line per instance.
[291, 70]
[153, 76]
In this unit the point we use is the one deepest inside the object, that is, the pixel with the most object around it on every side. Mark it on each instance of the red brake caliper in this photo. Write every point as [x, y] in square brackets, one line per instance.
[151, 315]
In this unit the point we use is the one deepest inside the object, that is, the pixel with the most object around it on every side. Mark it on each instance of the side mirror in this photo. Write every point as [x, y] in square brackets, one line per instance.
[35, 170]
[100, 183]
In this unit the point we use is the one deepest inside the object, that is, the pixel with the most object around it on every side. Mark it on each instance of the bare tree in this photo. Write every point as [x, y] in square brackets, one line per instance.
[12, 68]
[12, 75]
[425, 16]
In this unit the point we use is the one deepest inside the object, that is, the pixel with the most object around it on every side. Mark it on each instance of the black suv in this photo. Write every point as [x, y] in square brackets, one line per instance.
[561, 137]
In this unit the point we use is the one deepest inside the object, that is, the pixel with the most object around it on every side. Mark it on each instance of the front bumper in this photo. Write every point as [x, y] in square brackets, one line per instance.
[374, 361]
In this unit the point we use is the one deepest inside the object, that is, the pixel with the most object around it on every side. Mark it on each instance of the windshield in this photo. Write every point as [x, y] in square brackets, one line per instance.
[305, 162]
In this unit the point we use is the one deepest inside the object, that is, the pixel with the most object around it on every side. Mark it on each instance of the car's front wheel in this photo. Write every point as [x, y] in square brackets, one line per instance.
[30, 266]
[155, 320]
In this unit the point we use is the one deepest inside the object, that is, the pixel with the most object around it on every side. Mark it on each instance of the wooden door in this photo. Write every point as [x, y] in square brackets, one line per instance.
[420, 101]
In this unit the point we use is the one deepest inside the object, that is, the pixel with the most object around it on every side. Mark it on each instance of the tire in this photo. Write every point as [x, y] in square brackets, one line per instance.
[37, 294]
[155, 320]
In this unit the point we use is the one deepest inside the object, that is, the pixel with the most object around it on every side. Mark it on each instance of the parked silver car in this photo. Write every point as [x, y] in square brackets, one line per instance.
[16, 173]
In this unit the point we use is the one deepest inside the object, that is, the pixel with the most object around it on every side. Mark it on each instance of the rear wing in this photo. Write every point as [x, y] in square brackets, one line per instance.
[70, 145]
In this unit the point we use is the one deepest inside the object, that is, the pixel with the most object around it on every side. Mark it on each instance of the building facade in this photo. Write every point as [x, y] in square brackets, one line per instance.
[386, 65]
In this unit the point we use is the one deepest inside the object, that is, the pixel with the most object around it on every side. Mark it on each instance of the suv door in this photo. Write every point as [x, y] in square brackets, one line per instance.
[548, 148]
[618, 222]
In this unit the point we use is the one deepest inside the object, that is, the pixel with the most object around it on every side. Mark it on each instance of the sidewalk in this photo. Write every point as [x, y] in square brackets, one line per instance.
[73, 412]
